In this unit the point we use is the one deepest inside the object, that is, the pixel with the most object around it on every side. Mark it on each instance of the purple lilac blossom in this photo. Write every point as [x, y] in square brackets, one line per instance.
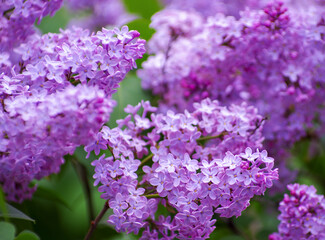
[100, 13]
[302, 214]
[56, 98]
[54, 61]
[281, 72]
[196, 169]
[17, 18]
[37, 130]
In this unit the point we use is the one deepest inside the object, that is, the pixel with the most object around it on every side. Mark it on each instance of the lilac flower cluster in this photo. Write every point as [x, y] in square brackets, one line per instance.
[102, 13]
[38, 130]
[44, 115]
[302, 214]
[54, 61]
[281, 72]
[17, 18]
[201, 162]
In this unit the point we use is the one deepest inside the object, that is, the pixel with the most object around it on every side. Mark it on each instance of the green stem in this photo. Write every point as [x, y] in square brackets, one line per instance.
[211, 137]
[111, 151]
[152, 196]
[8, 11]
[146, 159]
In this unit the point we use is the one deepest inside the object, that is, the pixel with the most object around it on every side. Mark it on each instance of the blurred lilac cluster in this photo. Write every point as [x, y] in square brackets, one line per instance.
[210, 8]
[302, 214]
[232, 7]
[99, 13]
[17, 18]
[201, 162]
[271, 58]
[55, 93]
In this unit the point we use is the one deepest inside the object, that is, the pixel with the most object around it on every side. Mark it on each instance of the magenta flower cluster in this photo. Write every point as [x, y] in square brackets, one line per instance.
[201, 162]
[302, 214]
[271, 58]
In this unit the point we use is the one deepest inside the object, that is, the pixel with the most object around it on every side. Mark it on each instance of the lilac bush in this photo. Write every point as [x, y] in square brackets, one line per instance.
[302, 214]
[235, 81]
[202, 162]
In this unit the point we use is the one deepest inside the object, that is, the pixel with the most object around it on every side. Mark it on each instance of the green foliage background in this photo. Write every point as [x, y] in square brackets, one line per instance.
[58, 209]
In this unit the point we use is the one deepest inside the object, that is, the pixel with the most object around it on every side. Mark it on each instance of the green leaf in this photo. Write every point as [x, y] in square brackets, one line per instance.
[48, 194]
[27, 235]
[7, 231]
[142, 26]
[232, 237]
[301, 150]
[3, 208]
[125, 236]
[15, 213]
[219, 233]
[53, 24]
[143, 8]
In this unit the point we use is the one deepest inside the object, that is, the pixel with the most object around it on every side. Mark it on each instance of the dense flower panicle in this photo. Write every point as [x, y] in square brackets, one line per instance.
[302, 214]
[102, 13]
[38, 130]
[17, 18]
[281, 72]
[44, 115]
[54, 61]
[203, 161]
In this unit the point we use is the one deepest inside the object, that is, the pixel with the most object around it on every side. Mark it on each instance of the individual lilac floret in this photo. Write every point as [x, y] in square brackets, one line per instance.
[197, 169]
[302, 214]
[38, 130]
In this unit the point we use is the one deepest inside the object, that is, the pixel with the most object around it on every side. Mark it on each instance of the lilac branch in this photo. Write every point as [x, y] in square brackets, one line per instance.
[146, 159]
[94, 223]
[211, 137]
